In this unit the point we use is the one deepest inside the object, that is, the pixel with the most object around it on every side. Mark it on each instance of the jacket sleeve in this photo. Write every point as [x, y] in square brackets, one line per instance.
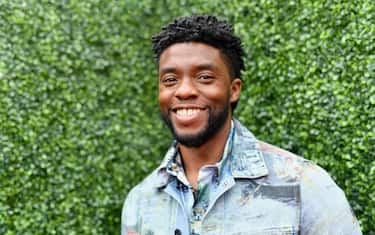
[324, 207]
[129, 215]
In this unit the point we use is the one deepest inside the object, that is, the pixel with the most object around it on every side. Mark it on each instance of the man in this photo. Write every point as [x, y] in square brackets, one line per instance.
[217, 178]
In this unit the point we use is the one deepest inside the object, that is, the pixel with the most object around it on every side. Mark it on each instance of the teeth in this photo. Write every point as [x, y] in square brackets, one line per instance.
[187, 112]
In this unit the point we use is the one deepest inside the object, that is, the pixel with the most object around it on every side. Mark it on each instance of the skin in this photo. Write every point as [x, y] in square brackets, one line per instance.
[194, 83]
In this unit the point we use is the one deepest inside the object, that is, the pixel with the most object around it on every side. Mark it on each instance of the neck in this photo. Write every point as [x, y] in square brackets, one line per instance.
[208, 153]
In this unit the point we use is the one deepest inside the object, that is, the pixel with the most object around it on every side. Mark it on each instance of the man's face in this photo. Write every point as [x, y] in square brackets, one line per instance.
[195, 91]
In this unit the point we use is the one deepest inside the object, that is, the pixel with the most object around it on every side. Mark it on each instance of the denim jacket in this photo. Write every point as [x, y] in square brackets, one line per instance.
[261, 189]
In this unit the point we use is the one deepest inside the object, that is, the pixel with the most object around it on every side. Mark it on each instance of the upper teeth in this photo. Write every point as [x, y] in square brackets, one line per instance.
[187, 112]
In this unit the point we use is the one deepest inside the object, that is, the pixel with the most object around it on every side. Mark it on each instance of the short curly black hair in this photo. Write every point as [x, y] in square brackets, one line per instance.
[206, 29]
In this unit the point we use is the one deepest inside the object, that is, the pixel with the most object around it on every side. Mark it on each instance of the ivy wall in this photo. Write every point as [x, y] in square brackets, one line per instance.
[79, 119]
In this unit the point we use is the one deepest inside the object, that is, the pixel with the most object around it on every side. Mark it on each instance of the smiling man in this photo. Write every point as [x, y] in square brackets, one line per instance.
[217, 178]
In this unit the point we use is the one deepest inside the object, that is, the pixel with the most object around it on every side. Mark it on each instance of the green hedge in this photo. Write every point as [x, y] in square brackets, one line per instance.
[79, 120]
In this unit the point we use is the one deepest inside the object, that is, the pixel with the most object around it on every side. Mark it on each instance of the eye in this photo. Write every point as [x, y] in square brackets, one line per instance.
[169, 80]
[205, 78]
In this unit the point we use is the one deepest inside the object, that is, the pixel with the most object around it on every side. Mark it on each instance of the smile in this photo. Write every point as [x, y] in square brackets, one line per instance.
[185, 112]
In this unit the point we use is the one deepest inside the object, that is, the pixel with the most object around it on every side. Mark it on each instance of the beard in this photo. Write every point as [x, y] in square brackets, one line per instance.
[216, 120]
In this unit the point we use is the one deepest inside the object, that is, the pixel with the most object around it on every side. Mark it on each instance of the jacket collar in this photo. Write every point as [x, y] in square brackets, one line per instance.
[247, 160]
[162, 177]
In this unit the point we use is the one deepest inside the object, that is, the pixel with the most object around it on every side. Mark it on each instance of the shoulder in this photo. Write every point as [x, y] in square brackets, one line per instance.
[148, 190]
[147, 186]
[288, 166]
[135, 200]
[284, 164]
[324, 207]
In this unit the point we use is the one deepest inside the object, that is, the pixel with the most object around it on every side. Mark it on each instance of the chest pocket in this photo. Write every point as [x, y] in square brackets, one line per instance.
[256, 209]
[158, 215]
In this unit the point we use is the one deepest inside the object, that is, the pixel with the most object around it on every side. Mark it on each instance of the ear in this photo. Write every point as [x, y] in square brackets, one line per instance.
[236, 85]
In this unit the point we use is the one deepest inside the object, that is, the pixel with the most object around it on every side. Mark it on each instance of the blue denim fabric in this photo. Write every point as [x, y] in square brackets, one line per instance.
[261, 189]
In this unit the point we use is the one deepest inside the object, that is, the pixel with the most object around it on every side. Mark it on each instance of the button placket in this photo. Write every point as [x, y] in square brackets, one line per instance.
[195, 227]
[196, 220]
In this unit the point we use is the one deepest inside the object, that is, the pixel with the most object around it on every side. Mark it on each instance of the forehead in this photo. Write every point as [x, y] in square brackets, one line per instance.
[191, 54]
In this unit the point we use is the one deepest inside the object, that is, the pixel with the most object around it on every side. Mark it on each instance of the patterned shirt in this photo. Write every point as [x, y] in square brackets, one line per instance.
[256, 188]
[196, 203]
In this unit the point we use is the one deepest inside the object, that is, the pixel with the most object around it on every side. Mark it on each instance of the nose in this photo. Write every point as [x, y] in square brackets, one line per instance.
[186, 89]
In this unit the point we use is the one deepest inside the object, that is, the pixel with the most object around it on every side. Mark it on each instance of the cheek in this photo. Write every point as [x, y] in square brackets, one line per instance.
[164, 98]
[216, 94]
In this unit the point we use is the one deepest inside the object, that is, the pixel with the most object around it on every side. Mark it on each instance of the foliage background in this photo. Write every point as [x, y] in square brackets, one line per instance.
[79, 121]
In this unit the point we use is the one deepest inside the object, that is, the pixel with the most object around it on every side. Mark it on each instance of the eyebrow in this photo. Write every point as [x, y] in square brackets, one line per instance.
[207, 66]
[168, 70]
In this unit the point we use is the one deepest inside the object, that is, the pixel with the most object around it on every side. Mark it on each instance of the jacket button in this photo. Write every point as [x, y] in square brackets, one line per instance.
[177, 232]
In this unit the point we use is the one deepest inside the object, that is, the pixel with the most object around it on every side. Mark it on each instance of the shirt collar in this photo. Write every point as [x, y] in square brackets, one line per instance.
[241, 150]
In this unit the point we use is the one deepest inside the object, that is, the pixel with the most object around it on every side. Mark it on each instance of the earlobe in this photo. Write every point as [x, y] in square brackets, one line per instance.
[236, 85]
